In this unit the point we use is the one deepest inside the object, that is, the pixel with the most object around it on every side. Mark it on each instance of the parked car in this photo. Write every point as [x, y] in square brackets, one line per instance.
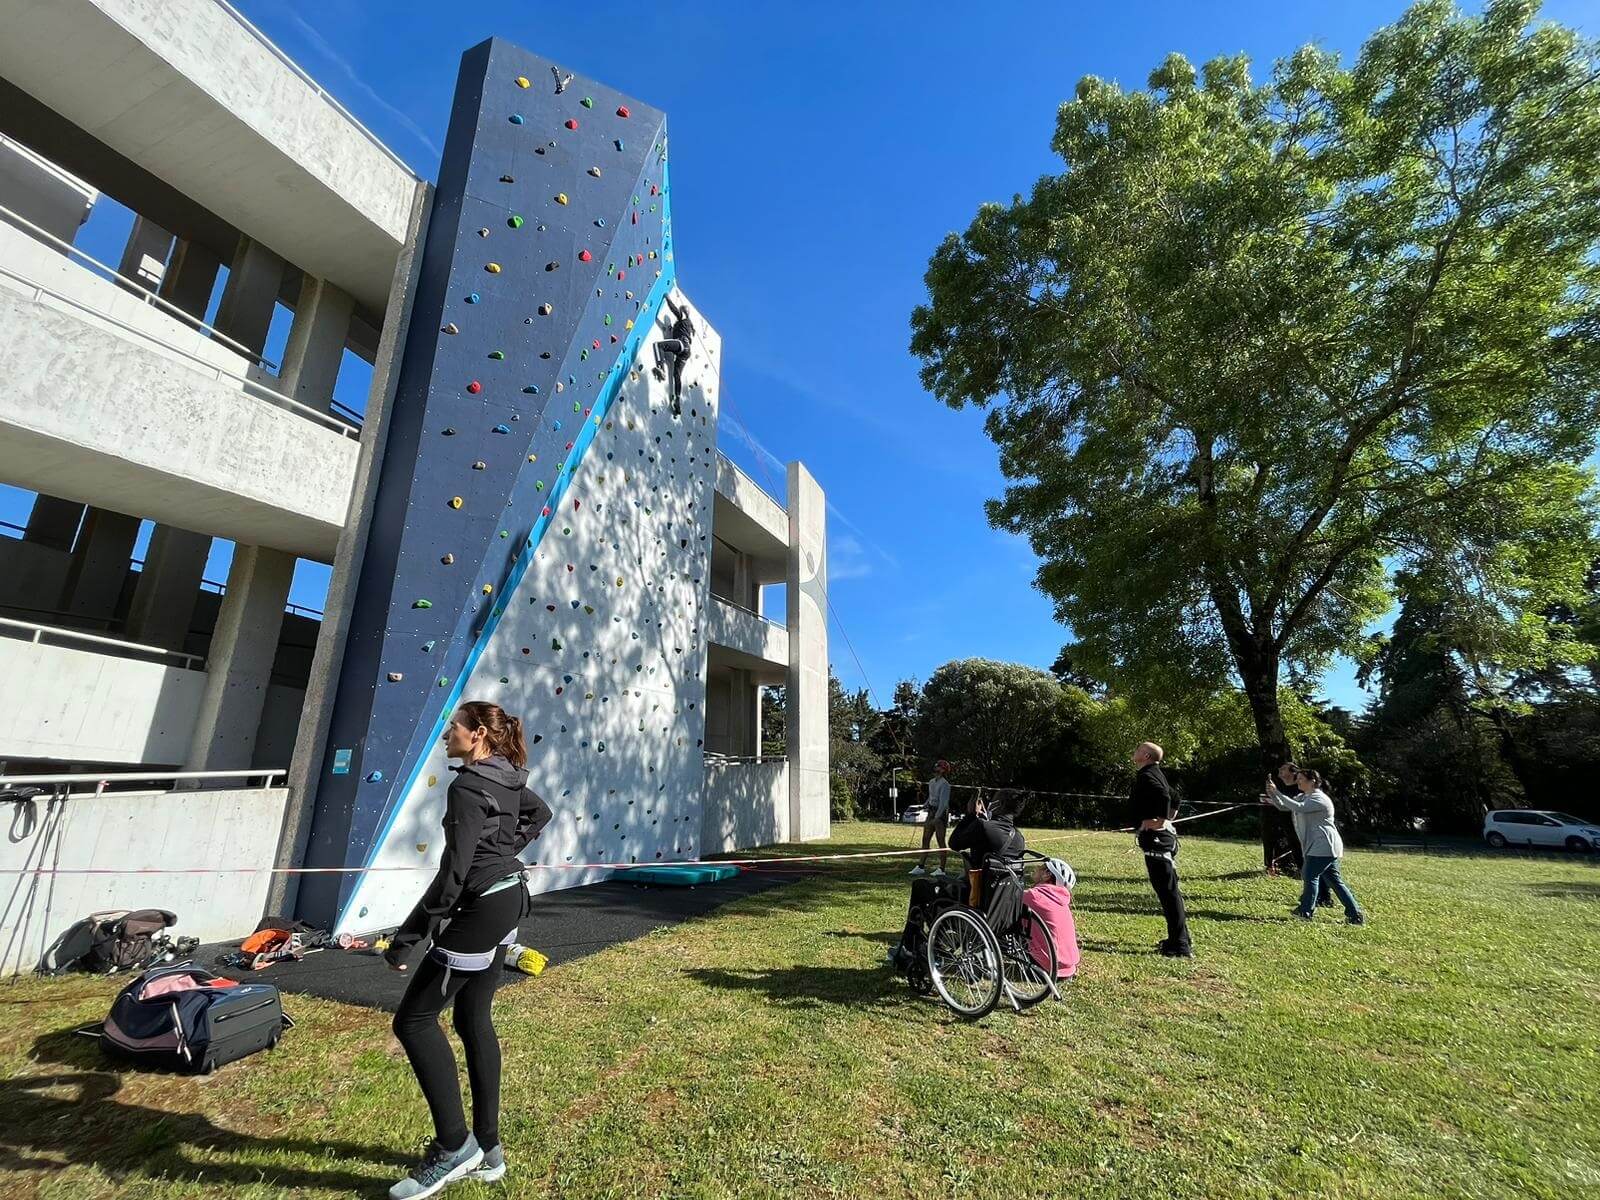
[1540, 827]
[914, 814]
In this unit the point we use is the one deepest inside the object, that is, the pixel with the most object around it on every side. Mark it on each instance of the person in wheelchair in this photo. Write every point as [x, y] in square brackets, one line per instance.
[993, 847]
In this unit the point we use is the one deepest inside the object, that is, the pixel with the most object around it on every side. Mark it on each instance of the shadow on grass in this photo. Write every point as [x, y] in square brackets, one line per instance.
[1136, 909]
[1093, 947]
[814, 987]
[73, 1114]
[1571, 890]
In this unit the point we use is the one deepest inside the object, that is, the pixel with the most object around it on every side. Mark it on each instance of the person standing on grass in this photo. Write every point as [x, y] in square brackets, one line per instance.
[1151, 809]
[937, 820]
[1320, 842]
[1284, 785]
[471, 911]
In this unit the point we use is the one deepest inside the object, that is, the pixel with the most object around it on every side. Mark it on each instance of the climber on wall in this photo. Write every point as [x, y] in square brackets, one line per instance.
[673, 351]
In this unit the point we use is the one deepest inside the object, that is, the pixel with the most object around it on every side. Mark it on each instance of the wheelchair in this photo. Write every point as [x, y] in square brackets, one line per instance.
[972, 956]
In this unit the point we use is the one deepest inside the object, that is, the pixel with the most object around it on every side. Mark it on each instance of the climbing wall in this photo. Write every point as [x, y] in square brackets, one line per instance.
[541, 530]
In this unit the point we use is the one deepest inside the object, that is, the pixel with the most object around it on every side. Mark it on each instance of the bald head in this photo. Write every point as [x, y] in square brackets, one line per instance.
[1147, 752]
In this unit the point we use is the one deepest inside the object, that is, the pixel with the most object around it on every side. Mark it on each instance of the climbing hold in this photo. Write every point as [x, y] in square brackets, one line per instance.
[585, 256]
[474, 387]
[456, 502]
[493, 268]
[522, 81]
[531, 390]
[450, 328]
[546, 309]
[516, 118]
[622, 111]
[501, 429]
[508, 179]
[484, 232]
[449, 432]
[395, 676]
[552, 266]
[498, 355]
[621, 275]
[427, 647]
[555, 644]
[572, 124]
[595, 171]
[514, 221]
[587, 102]
[488, 589]
[448, 559]
[599, 222]
[538, 484]
[444, 681]
[422, 604]
[561, 197]
[479, 465]
[617, 143]
[545, 511]
[374, 776]
[473, 297]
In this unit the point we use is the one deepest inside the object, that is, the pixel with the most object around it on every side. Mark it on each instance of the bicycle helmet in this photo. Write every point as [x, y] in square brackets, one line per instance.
[1061, 871]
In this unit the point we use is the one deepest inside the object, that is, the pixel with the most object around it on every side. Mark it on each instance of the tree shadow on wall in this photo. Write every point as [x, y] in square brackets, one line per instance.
[74, 1115]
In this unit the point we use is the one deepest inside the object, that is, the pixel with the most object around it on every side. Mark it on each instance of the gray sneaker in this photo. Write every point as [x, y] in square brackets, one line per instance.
[438, 1169]
[493, 1167]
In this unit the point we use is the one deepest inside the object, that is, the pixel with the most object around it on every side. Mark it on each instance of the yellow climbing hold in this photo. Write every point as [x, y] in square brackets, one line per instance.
[456, 501]
[488, 588]
[522, 82]
[492, 268]
[433, 781]
[561, 197]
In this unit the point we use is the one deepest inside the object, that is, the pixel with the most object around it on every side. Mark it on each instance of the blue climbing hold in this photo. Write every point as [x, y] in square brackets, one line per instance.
[516, 118]
[501, 429]
[473, 297]
[374, 776]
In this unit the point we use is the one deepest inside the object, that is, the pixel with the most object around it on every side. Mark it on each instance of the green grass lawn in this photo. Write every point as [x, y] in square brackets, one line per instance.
[1447, 1049]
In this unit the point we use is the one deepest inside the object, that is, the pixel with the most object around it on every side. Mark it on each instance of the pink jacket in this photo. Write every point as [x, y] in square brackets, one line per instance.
[1052, 904]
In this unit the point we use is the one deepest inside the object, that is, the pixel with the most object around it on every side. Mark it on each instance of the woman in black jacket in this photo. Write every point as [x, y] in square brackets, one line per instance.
[471, 911]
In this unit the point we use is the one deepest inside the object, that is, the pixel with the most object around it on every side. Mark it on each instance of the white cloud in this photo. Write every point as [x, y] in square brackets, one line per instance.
[321, 46]
[847, 559]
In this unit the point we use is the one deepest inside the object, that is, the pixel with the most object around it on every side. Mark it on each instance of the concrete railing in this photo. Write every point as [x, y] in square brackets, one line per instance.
[203, 855]
[272, 48]
[744, 804]
[43, 634]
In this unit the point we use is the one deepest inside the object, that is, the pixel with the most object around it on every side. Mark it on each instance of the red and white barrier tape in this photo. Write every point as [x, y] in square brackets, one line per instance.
[755, 863]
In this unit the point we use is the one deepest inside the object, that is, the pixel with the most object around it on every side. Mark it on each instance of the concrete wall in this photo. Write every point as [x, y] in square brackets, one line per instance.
[204, 455]
[745, 805]
[31, 577]
[39, 191]
[806, 716]
[184, 90]
[136, 831]
[742, 631]
[80, 706]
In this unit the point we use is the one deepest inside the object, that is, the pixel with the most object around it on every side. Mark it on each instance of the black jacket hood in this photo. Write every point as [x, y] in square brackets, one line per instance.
[496, 769]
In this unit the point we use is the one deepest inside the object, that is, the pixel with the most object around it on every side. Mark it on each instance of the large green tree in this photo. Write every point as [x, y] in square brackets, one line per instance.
[995, 721]
[1256, 347]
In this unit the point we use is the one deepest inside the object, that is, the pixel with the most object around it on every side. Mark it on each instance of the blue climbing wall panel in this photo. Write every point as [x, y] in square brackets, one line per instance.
[541, 527]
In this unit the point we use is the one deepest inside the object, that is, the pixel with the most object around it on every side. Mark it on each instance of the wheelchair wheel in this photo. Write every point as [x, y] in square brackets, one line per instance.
[1027, 980]
[964, 963]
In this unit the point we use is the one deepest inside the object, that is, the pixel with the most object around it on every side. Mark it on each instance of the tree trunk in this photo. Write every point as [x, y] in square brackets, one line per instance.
[1280, 848]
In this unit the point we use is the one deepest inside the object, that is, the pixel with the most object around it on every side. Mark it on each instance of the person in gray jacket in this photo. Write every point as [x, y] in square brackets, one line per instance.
[1320, 842]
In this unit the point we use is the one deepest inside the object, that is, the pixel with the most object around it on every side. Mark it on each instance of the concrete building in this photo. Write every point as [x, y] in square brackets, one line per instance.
[139, 396]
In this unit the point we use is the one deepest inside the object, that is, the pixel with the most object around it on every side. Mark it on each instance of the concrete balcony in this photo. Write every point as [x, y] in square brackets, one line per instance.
[109, 399]
[191, 93]
[746, 641]
[744, 804]
[750, 521]
[112, 701]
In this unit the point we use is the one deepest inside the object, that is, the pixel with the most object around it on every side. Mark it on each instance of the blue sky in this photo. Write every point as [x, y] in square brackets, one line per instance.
[820, 153]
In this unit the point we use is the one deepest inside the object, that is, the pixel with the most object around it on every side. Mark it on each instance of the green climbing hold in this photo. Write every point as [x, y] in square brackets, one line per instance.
[497, 354]
[444, 681]
[515, 221]
[587, 102]
[422, 604]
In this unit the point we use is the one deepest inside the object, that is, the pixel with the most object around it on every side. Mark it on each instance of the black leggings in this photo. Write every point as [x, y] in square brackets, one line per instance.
[478, 925]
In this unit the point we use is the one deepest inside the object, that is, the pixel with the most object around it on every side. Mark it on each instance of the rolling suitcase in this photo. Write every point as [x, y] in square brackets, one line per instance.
[184, 1018]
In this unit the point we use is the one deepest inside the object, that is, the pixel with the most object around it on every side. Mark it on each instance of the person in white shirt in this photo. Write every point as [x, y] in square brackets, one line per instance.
[938, 819]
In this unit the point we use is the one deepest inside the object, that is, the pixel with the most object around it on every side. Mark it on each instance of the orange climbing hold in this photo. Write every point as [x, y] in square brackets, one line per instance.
[622, 111]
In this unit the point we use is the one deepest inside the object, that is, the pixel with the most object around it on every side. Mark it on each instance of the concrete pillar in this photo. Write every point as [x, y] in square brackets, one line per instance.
[316, 344]
[144, 258]
[191, 277]
[169, 584]
[239, 666]
[254, 279]
[99, 565]
[54, 522]
[806, 719]
[739, 725]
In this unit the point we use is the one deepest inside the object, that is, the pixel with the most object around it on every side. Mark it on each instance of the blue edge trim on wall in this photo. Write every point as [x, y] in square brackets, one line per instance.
[619, 372]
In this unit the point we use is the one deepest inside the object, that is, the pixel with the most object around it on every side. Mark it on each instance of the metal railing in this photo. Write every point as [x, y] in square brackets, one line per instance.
[720, 598]
[62, 784]
[37, 633]
[748, 478]
[330, 420]
[145, 294]
[715, 759]
[305, 78]
[221, 589]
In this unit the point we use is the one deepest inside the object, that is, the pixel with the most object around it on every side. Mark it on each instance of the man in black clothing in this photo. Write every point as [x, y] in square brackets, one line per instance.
[1151, 810]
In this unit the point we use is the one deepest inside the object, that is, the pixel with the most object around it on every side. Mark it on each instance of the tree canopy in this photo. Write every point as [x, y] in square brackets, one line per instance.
[1256, 348]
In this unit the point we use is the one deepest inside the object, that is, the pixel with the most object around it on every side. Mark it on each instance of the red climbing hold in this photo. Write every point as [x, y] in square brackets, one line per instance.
[654, 191]
[474, 387]
[584, 256]
[574, 506]
[622, 111]
[621, 274]
[572, 124]
[545, 511]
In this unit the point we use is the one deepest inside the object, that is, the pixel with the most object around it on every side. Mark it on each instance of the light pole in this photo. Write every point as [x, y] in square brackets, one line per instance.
[894, 794]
